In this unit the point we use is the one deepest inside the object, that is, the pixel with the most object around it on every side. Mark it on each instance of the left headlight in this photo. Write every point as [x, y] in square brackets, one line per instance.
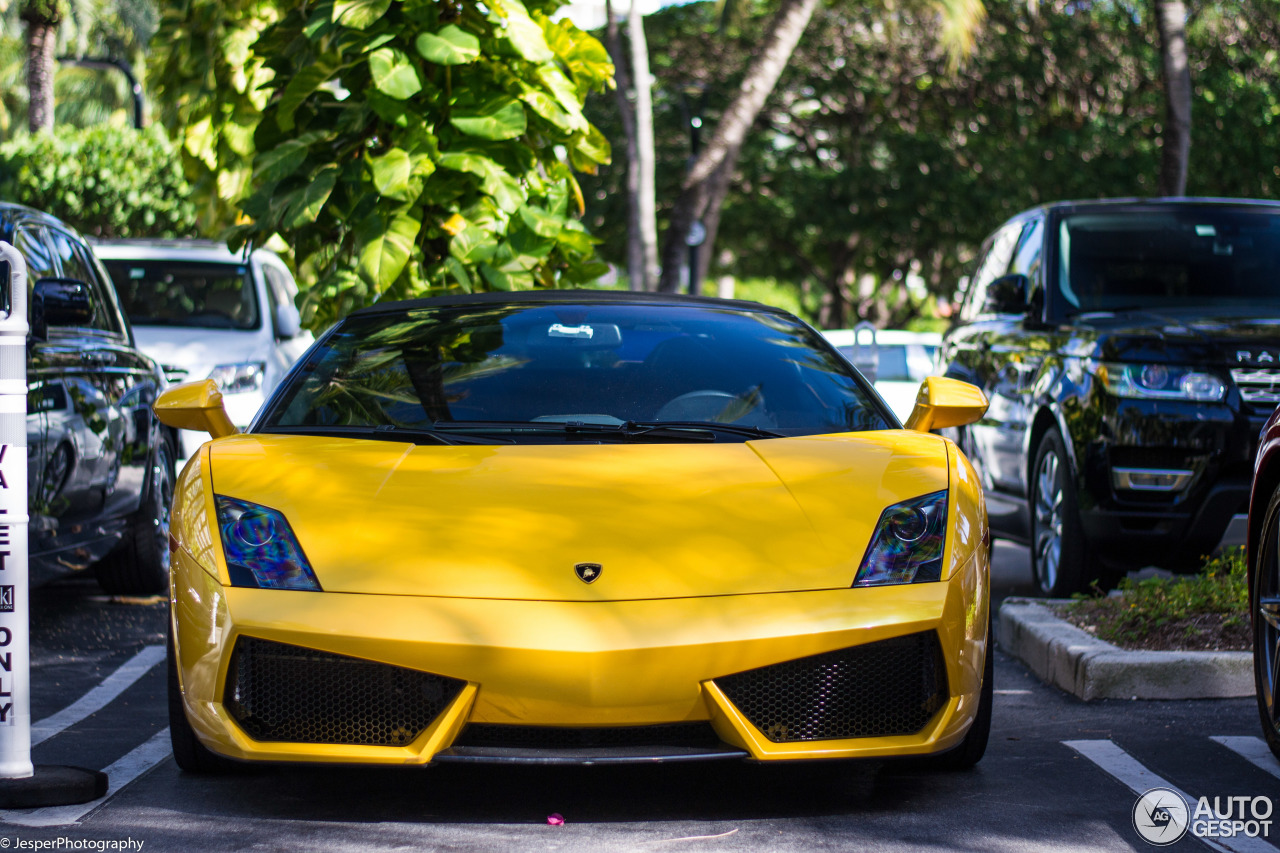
[1161, 382]
[908, 543]
[241, 378]
[260, 547]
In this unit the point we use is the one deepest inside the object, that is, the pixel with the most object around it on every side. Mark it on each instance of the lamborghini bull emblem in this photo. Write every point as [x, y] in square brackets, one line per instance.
[587, 572]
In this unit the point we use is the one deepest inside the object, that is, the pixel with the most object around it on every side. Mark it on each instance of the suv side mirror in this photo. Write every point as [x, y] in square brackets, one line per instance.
[59, 302]
[1007, 295]
[287, 322]
[943, 402]
[196, 406]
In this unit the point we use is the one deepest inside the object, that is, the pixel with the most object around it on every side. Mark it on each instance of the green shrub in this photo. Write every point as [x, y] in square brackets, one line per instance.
[105, 181]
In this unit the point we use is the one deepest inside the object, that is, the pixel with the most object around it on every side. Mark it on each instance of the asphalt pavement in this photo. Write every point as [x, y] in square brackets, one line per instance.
[1059, 775]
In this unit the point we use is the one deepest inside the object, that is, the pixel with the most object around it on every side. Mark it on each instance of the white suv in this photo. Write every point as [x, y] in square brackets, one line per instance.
[202, 311]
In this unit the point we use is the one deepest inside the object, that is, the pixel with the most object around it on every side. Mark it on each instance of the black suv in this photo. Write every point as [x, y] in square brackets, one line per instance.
[100, 466]
[1131, 353]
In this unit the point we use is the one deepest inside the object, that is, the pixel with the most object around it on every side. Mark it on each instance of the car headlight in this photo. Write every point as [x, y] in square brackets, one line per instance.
[239, 378]
[908, 542]
[260, 547]
[1161, 382]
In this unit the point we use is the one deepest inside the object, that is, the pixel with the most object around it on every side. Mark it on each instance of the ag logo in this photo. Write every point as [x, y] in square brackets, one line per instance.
[1160, 816]
[588, 572]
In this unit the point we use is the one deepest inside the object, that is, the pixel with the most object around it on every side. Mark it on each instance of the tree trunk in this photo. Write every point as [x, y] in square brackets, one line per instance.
[717, 189]
[636, 275]
[722, 150]
[1171, 21]
[42, 42]
[648, 193]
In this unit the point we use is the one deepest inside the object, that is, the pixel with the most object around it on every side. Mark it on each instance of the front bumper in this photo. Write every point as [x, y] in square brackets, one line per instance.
[576, 664]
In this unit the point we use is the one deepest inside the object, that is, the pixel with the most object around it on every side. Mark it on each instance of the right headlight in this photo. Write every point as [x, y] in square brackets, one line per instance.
[908, 543]
[260, 546]
[1161, 382]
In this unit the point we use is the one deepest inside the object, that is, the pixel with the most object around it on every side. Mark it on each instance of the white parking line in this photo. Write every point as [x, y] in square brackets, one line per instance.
[120, 774]
[1130, 773]
[1253, 750]
[1012, 692]
[97, 698]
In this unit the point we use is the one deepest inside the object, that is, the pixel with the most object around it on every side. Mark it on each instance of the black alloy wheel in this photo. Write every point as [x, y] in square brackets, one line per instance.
[1059, 553]
[1264, 607]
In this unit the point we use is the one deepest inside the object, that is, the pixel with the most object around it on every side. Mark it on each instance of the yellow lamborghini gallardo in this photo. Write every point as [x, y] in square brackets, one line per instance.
[577, 527]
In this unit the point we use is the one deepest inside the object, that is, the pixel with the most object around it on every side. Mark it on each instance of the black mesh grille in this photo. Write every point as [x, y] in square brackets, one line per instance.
[892, 687]
[556, 737]
[278, 692]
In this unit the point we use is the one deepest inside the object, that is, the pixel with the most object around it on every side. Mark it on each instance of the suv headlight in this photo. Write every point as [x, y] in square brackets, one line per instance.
[1161, 382]
[239, 378]
[908, 543]
[260, 547]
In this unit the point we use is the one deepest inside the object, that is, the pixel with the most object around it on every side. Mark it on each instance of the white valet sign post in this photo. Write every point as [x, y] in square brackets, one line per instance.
[22, 785]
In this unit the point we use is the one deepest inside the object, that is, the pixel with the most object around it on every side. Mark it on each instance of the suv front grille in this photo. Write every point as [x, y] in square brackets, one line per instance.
[892, 687]
[1258, 385]
[279, 692]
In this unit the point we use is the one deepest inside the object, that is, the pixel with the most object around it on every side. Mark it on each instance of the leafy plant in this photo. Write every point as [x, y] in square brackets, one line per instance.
[106, 181]
[1174, 607]
[412, 148]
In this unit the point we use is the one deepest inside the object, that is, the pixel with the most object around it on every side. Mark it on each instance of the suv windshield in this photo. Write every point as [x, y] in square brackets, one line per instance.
[574, 371]
[1192, 257]
[179, 293]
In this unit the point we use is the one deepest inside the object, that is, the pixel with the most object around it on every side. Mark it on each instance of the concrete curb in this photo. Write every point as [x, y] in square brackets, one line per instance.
[1067, 657]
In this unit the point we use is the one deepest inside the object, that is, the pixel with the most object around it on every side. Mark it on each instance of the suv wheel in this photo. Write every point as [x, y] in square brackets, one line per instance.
[140, 565]
[1059, 553]
[1264, 602]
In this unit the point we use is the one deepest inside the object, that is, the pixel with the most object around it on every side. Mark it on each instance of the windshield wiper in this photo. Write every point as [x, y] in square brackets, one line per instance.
[628, 431]
[380, 432]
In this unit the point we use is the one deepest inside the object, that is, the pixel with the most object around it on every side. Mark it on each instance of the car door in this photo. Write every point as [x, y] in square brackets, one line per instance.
[111, 386]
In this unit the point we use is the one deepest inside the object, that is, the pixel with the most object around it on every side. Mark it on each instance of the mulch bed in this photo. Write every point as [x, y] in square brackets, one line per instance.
[1107, 620]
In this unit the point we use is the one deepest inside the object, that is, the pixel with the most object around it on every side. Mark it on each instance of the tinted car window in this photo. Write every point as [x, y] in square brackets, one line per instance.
[175, 293]
[73, 259]
[35, 251]
[994, 264]
[1193, 257]
[603, 364]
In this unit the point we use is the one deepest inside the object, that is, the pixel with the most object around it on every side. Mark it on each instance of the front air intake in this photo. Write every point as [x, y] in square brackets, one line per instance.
[279, 692]
[892, 687]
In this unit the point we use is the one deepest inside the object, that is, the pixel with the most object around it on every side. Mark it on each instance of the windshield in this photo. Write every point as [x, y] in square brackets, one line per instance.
[1183, 258]
[568, 365]
[176, 293]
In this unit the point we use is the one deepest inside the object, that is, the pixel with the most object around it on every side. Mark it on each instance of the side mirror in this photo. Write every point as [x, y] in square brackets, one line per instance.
[196, 406]
[1007, 295]
[943, 402]
[287, 321]
[59, 302]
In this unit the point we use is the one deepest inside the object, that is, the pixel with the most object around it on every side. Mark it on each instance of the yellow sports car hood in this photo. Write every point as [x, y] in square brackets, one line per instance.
[513, 521]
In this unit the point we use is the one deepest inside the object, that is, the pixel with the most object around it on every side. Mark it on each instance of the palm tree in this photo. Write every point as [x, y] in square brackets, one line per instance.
[706, 184]
[42, 18]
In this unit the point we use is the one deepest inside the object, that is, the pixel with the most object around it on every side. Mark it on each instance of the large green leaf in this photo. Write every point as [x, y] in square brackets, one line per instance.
[359, 14]
[393, 73]
[306, 204]
[472, 245]
[547, 107]
[383, 247]
[398, 174]
[495, 181]
[541, 222]
[283, 160]
[301, 86]
[451, 46]
[525, 35]
[501, 118]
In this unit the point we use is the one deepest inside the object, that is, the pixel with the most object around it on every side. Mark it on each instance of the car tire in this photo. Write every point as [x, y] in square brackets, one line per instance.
[140, 564]
[188, 752]
[1059, 553]
[970, 750]
[1264, 607]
